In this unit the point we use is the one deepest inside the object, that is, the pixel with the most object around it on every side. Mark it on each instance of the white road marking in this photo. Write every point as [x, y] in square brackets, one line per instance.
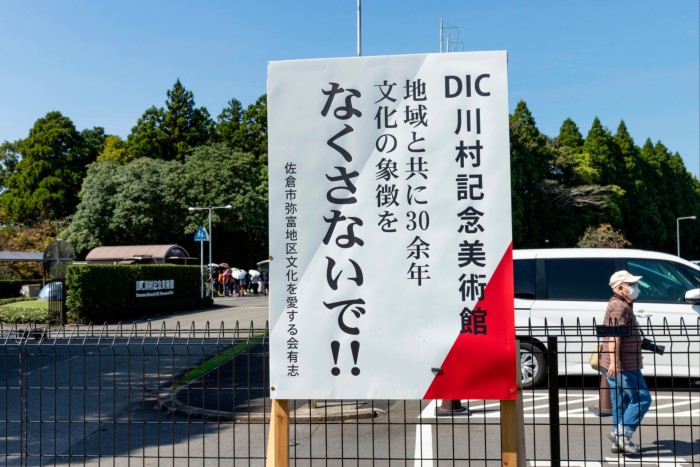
[574, 407]
[660, 461]
[423, 454]
[657, 462]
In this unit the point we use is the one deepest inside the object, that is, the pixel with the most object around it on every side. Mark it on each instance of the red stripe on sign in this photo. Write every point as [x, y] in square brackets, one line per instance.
[482, 366]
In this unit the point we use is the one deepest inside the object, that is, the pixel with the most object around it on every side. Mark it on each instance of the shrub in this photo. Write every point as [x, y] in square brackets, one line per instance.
[105, 293]
[603, 236]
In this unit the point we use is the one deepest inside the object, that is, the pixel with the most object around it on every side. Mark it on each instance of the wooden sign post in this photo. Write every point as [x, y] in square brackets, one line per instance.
[512, 424]
[278, 440]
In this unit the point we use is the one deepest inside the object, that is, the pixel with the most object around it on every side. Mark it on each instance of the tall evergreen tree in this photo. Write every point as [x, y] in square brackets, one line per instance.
[573, 164]
[186, 126]
[228, 124]
[638, 214]
[569, 135]
[254, 127]
[148, 136]
[657, 233]
[604, 154]
[47, 180]
[170, 133]
[530, 163]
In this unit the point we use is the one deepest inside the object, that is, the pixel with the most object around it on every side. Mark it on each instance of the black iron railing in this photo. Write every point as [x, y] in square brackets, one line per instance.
[127, 395]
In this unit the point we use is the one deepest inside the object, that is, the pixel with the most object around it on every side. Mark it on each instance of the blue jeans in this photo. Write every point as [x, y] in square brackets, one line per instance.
[630, 400]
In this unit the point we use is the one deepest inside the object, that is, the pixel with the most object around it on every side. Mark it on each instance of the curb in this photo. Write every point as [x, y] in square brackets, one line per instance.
[167, 401]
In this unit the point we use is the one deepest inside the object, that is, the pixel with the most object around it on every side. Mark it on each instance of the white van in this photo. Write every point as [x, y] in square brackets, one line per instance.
[569, 287]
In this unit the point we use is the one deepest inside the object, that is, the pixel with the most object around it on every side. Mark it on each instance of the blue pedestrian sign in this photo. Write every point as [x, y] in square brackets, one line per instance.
[201, 235]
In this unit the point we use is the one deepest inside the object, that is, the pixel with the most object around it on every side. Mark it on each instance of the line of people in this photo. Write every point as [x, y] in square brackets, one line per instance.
[236, 283]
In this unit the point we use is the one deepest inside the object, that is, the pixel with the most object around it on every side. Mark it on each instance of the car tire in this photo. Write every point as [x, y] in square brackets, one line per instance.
[533, 365]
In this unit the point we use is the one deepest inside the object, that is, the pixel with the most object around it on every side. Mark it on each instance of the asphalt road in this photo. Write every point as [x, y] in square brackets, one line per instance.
[226, 310]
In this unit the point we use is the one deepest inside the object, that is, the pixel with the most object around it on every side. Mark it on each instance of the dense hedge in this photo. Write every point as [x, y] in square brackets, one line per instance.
[104, 293]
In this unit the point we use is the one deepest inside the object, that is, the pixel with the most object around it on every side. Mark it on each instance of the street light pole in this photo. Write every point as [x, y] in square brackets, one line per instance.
[210, 208]
[359, 28]
[678, 233]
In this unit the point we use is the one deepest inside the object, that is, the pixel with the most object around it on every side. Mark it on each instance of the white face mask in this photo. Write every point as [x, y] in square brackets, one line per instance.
[632, 292]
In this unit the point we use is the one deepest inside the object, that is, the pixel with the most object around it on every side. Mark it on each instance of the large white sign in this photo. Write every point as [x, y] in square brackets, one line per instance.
[390, 228]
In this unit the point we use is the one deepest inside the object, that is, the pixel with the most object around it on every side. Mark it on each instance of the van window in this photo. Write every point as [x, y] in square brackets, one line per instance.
[524, 278]
[662, 281]
[579, 278]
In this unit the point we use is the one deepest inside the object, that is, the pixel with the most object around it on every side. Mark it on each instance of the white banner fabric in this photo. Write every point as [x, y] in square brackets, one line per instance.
[389, 182]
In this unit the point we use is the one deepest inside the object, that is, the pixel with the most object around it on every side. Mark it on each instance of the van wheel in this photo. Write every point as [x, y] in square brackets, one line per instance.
[533, 365]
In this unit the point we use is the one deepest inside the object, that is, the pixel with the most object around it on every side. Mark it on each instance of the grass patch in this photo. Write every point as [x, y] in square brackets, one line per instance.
[22, 311]
[5, 301]
[219, 359]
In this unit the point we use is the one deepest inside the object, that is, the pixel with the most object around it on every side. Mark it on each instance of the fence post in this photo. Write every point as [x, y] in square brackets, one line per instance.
[553, 378]
[512, 424]
[278, 438]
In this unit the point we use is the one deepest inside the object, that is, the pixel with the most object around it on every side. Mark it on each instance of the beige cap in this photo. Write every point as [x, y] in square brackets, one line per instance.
[622, 277]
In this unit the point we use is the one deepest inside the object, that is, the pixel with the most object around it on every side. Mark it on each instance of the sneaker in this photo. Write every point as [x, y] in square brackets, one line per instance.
[612, 436]
[623, 444]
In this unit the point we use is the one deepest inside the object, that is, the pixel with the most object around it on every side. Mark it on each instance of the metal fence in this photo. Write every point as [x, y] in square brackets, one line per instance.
[134, 396]
[57, 301]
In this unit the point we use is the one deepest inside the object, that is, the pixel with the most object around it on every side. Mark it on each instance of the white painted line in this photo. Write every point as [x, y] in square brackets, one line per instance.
[622, 460]
[577, 407]
[566, 464]
[673, 404]
[429, 410]
[423, 453]
[651, 461]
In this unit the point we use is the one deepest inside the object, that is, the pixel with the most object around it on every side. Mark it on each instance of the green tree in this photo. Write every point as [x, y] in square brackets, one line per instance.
[569, 135]
[170, 133]
[115, 150]
[244, 130]
[639, 214]
[47, 180]
[217, 175]
[187, 126]
[254, 130]
[531, 159]
[141, 202]
[605, 159]
[146, 200]
[574, 165]
[604, 154]
[228, 124]
[148, 136]
[95, 139]
[9, 157]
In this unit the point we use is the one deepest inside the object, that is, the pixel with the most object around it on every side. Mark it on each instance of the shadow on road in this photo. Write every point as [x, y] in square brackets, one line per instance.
[238, 385]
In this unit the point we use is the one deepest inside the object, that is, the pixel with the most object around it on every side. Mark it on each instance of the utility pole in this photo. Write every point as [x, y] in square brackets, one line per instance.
[443, 26]
[359, 28]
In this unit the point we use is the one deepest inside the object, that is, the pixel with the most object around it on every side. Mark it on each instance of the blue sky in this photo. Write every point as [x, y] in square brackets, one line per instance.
[104, 63]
